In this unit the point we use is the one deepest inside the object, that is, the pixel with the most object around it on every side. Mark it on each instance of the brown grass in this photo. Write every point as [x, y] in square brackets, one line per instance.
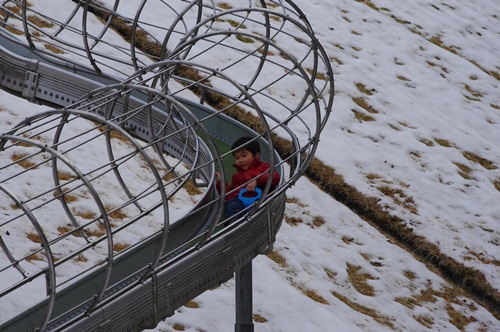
[178, 327]
[117, 247]
[115, 214]
[331, 274]
[80, 259]
[224, 5]
[293, 221]
[424, 320]
[22, 160]
[426, 141]
[295, 200]
[65, 176]
[191, 188]
[361, 87]
[39, 22]
[359, 280]
[277, 258]
[474, 93]
[488, 164]
[63, 229]
[319, 76]
[318, 221]
[465, 171]
[245, 39]
[34, 257]
[361, 102]
[410, 274]
[458, 319]
[192, 305]
[443, 142]
[381, 319]
[313, 295]
[86, 214]
[34, 237]
[68, 198]
[436, 40]
[399, 198]
[496, 183]
[53, 49]
[362, 116]
[259, 318]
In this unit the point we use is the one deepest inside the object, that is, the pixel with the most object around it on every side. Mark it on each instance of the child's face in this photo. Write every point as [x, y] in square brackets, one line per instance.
[244, 158]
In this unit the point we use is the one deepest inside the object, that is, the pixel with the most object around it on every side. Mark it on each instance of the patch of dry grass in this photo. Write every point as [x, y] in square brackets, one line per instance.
[89, 215]
[192, 305]
[476, 94]
[277, 258]
[313, 295]
[436, 40]
[235, 24]
[359, 280]
[443, 142]
[34, 237]
[458, 319]
[224, 5]
[425, 321]
[295, 200]
[318, 75]
[361, 102]
[179, 327]
[488, 164]
[117, 247]
[68, 198]
[426, 141]
[362, 116]
[410, 275]
[116, 214]
[293, 221]
[40, 22]
[481, 257]
[53, 49]
[464, 171]
[496, 183]
[361, 87]
[381, 319]
[22, 160]
[245, 39]
[80, 259]
[331, 274]
[65, 176]
[35, 257]
[318, 221]
[192, 189]
[399, 198]
[259, 318]
[63, 229]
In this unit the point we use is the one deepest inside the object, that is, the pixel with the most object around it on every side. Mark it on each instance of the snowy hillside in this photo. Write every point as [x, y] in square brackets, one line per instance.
[415, 129]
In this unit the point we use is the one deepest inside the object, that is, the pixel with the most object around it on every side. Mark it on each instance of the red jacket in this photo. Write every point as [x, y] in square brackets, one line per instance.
[241, 177]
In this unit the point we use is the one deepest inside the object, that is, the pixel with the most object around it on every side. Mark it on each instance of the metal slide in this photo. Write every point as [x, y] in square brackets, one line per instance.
[124, 224]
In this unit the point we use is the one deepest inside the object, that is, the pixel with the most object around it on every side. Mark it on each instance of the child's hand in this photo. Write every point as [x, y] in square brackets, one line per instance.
[217, 176]
[252, 185]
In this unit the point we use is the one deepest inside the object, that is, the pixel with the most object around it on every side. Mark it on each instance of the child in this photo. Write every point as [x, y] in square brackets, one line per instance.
[251, 173]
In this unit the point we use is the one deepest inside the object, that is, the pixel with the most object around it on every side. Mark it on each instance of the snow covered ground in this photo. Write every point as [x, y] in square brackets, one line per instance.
[416, 124]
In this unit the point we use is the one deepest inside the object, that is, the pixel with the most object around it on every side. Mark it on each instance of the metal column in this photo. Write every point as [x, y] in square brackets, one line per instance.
[244, 310]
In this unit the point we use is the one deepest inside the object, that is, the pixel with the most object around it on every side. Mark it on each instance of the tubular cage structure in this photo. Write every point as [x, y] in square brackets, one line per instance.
[144, 100]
